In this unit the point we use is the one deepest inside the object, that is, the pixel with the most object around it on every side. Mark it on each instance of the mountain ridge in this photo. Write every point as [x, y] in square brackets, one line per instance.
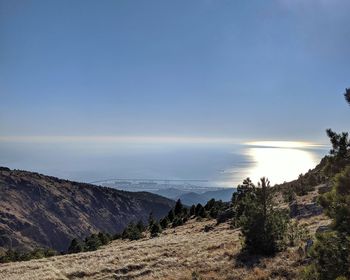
[45, 211]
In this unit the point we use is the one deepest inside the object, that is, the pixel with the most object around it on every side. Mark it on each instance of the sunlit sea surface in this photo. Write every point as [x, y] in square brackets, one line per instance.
[221, 164]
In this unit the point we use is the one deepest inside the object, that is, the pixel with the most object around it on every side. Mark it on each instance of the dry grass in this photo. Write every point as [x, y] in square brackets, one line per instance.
[176, 254]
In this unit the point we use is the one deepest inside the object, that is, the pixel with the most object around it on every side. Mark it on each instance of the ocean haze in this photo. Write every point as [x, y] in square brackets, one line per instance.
[221, 163]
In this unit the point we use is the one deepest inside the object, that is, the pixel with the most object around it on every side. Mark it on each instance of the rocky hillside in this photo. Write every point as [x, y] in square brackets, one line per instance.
[38, 210]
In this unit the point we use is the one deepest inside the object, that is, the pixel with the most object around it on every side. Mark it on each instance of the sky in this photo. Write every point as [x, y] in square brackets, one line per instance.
[248, 70]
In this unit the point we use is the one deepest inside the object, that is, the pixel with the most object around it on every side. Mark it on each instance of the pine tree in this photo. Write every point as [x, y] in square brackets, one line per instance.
[171, 215]
[192, 210]
[178, 208]
[151, 220]
[263, 225]
[200, 211]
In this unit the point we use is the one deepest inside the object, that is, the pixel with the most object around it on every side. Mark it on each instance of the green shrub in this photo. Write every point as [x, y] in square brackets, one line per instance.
[331, 252]
[75, 247]
[132, 232]
[104, 238]
[151, 220]
[177, 222]
[37, 253]
[296, 234]
[331, 257]
[92, 243]
[140, 226]
[164, 223]
[288, 195]
[213, 207]
[196, 276]
[337, 201]
[155, 229]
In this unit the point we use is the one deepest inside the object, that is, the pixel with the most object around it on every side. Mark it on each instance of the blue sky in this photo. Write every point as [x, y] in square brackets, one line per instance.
[252, 70]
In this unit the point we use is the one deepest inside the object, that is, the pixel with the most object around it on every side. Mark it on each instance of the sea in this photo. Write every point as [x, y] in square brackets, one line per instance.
[208, 164]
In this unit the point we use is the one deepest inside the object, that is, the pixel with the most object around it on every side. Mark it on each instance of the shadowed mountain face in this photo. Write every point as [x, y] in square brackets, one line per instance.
[193, 197]
[38, 210]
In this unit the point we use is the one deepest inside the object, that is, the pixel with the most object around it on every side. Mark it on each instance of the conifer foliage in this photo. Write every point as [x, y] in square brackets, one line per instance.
[331, 252]
[263, 226]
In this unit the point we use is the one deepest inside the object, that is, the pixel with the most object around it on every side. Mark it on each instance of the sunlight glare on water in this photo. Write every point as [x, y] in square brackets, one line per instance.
[280, 161]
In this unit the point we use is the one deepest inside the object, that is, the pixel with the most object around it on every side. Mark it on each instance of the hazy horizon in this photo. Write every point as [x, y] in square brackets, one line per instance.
[221, 163]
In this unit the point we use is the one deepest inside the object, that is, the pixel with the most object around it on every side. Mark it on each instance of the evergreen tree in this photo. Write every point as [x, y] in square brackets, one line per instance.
[151, 220]
[192, 210]
[178, 208]
[340, 144]
[200, 211]
[140, 226]
[171, 215]
[75, 247]
[164, 223]
[213, 207]
[131, 232]
[262, 225]
[155, 229]
[210, 204]
[104, 238]
[92, 243]
[241, 199]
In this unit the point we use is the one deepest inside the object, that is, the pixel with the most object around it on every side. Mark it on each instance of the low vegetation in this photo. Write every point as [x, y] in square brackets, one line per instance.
[331, 252]
[16, 255]
[91, 243]
[176, 254]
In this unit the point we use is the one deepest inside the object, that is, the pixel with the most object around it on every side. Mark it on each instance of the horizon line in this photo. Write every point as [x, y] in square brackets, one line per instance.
[158, 139]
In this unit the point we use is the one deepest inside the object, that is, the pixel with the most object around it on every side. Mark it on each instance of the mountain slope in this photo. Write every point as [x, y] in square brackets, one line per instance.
[190, 198]
[181, 253]
[38, 210]
[195, 196]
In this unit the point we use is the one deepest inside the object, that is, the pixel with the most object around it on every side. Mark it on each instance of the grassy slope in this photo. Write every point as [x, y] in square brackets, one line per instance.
[174, 255]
